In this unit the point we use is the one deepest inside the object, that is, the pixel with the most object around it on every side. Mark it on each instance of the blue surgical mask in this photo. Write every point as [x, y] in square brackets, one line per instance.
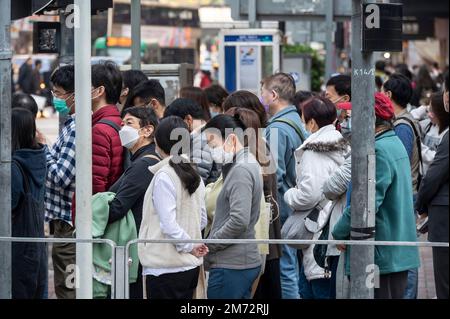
[61, 106]
[346, 127]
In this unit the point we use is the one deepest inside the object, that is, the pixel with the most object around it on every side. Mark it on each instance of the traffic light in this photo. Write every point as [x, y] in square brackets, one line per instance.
[24, 8]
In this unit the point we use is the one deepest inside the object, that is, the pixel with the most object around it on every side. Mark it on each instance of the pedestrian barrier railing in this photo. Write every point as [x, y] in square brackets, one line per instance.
[108, 242]
[267, 242]
[120, 260]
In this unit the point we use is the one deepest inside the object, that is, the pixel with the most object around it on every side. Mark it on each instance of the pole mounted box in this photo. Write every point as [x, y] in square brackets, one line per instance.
[46, 37]
[25, 8]
[382, 27]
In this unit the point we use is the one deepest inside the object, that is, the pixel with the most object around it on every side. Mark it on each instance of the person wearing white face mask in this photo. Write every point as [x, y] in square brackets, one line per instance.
[234, 268]
[137, 135]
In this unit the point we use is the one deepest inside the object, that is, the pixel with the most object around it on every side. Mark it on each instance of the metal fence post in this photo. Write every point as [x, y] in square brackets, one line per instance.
[120, 265]
[84, 145]
[5, 147]
[363, 161]
[136, 34]
[67, 50]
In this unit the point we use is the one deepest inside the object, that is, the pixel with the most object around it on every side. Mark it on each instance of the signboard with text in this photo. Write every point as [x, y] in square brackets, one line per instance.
[382, 27]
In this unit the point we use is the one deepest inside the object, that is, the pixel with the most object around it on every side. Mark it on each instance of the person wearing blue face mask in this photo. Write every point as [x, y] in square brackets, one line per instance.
[60, 185]
[61, 104]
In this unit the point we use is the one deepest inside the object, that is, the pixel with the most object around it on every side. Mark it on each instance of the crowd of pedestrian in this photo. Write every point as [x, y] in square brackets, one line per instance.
[232, 165]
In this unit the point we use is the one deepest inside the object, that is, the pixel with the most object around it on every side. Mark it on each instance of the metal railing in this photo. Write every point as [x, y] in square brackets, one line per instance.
[109, 242]
[120, 254]
[271, 242]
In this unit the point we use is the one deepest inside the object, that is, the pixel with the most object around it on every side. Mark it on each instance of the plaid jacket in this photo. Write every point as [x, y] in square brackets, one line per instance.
[60, 186]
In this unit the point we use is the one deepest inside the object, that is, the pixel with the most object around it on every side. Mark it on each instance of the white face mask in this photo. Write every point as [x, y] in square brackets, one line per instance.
[219, 155]
[129, 136]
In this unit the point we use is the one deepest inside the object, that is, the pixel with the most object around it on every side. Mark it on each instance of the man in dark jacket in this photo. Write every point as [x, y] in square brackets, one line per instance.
[194, 116]
[26, 77]
[432, 202]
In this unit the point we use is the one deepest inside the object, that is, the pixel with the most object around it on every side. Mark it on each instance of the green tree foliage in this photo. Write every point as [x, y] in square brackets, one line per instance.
[317, 67]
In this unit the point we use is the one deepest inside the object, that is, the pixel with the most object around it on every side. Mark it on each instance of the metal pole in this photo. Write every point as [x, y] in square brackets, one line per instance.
[363, 161]
[109, 31]
[136, 34]
[84, 146]
[66, 55]
[329, 37]
[252, 14]
[5, 147]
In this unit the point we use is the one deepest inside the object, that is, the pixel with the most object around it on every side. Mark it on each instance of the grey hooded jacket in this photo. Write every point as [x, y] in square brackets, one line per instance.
[237, 212]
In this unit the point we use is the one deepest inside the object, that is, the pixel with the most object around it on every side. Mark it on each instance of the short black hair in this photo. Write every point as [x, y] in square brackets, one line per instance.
[401, 89]
[145, 115]
[380, 65]
[321, 109]
[133, 78]
[300, 98]
[342, 84]
[64, 77]
[403, 69]
[38, 62]
[183, 108]
[216, 95]
[24, 101]
[108, 75]
[150, 89]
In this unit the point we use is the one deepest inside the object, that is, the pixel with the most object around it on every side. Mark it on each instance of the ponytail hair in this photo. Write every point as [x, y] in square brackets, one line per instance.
[182, 167]
[187, 174]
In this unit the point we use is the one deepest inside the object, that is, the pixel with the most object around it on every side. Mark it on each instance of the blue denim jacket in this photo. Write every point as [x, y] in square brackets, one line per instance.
[288, 141]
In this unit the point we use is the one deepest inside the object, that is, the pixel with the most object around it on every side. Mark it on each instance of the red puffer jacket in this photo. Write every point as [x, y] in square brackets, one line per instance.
[107, 151]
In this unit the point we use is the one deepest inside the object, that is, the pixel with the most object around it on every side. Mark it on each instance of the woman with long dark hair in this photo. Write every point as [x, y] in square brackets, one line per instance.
[246, 100]
[28, 176]
[269, 285]
[174, 208]
[234, 268]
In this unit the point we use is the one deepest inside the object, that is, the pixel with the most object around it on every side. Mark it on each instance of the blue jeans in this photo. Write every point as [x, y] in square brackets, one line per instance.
[314, 289]
[334, 263]
[231, 284]
[411, 291]
[289, 270]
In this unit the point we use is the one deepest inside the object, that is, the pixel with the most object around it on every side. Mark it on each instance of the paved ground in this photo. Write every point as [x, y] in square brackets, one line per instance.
[49, 127]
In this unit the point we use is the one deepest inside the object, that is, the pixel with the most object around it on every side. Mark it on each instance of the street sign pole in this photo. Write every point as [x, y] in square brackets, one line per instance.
[136, 34]
[5, 147]
[363, 270]
[84, 146]
[329, 45]
[66, 55]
